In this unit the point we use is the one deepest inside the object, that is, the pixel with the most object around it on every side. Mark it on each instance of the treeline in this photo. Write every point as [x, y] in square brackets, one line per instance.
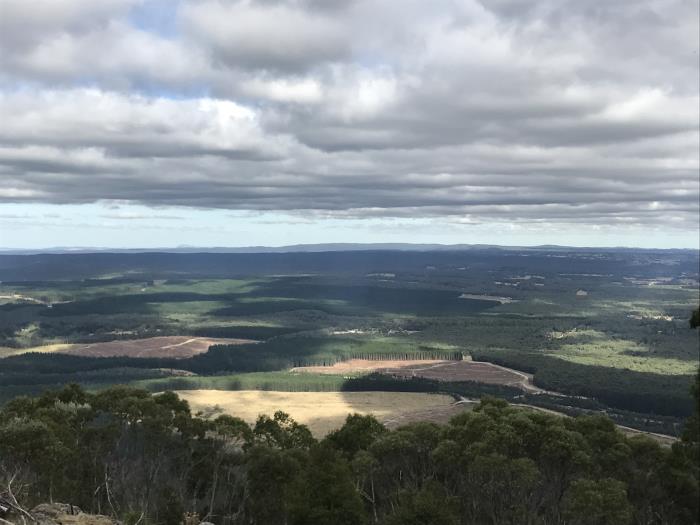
[378, 382]
[619, 388]
[308, 382]
[276, 381]
[145, 459]
[330, 360]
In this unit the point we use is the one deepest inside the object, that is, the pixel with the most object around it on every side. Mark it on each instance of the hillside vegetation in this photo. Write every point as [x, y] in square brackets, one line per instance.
[146, 459]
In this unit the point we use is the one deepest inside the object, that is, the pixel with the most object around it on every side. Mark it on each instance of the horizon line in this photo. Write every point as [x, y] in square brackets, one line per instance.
[322, 247]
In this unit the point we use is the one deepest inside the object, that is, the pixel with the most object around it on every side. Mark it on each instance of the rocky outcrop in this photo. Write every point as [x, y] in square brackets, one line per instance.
[64, 514]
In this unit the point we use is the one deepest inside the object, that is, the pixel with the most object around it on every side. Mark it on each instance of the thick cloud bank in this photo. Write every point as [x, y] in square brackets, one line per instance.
[543, 111]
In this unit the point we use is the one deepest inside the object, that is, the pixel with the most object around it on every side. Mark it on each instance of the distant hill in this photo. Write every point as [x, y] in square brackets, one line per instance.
[329, 247]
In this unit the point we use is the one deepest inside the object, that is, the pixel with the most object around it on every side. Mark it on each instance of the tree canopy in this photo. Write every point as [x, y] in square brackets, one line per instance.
[137, 456]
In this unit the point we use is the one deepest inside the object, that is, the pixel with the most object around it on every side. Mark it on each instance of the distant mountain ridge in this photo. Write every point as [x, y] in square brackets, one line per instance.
[328, 247]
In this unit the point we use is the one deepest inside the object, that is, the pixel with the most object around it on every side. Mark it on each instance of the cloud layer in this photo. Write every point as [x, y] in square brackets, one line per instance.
[543, 111]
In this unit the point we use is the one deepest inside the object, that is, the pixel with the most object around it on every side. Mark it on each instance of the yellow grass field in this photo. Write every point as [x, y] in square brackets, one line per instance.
[321, 411]
[59, 347]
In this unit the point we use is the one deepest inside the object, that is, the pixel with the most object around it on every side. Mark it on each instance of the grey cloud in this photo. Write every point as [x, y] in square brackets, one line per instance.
[269, 35]
[324, 5]
[26, 25]
[523, 111]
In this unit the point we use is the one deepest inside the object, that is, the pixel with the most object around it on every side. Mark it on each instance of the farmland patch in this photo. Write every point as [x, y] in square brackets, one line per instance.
[321, 411]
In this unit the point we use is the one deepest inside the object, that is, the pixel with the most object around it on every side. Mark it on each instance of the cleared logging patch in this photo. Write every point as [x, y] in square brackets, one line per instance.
[438, 370]
[175, 347]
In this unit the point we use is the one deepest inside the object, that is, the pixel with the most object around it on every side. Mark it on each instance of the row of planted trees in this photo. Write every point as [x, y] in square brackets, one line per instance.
[147, 459]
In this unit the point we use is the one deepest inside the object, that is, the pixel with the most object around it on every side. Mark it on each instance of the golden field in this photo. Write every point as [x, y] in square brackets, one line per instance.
[321, 411]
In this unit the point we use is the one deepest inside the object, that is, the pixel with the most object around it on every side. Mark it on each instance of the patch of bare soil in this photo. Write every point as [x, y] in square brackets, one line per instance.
[176, 347]
[58, 514]
[460, 371]
[362, 365]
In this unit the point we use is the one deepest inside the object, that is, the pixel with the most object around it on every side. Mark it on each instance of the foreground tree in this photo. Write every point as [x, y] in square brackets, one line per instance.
[144, 458]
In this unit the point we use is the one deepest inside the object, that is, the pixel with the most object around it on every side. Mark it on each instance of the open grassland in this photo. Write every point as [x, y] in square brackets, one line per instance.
[593, 347]
[321, 411]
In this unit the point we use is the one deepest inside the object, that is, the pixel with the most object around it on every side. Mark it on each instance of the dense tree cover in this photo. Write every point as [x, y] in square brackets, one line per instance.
[625, 389]
[242, 332]
[377, 382]
[146, 458]
[615, 262]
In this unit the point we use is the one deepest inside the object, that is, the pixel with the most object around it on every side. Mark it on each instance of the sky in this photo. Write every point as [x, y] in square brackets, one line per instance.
[163, 123]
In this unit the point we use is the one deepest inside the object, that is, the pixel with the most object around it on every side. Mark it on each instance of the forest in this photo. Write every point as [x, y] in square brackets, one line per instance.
[606, 330]
[147, 459]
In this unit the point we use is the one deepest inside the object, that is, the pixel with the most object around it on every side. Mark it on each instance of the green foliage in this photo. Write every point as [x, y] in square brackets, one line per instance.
[324, 493]
[428, 506]
[590, 502]
[357, 434]
[690, 444]
[136, 456]
[169, 508]
[281, 431]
